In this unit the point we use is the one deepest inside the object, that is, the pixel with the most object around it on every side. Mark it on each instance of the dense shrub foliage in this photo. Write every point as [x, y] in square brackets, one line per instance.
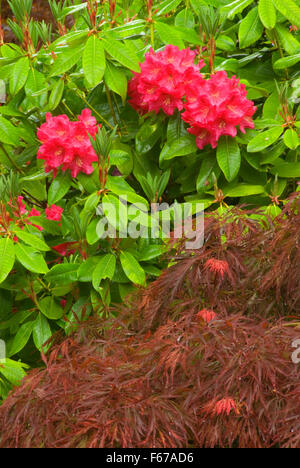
[116, 105]
[172, 372]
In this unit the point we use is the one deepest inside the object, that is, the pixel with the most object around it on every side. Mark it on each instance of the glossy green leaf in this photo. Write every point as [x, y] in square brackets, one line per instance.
[228, 157]
[250, 29]
[264, 140]
[50, 308]
[105, 269]
[116, 80]
[132, 268]
[59, 187]
[63, 274]
[19, 75]
[290, 170]
[267, 13]
[32, 240]
[21, 338]
[291, 139]
[66, 59]
[122, 54]
[93, 61]
[7, 257]
[41, 332]
[169, 35]
[30, 259]
[289, 9]
[56, 94]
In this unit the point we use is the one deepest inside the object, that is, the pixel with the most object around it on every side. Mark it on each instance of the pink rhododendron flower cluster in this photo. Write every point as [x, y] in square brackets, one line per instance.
[216, 107]
[163, 80]
[213, 107]
[66, 144]
[54, 213]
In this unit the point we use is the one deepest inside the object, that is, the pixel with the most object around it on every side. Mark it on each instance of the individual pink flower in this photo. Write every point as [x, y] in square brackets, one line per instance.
[206, 315]
[54, 213]
[163, 81]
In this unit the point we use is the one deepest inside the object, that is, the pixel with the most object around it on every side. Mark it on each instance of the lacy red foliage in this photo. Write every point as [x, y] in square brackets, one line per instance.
[160, 375]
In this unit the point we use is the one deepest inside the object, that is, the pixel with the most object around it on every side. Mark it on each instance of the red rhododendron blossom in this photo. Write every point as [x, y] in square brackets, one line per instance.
[66, 144]
[220, 267]
[206, 315]
[164, 79]
[54, 213]
[216, 107]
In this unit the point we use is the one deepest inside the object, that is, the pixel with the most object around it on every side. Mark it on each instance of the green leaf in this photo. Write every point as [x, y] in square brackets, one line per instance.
[267, 13]
[264, 139]
[56, 94]
[105, 269]
[19, 75]
[116, 80]
[244, 190]
[132, 268]
[147, 136]
[7, 257]
[185, 19]
[289, 9]
[50, 308]
[92, 235]
[291, 139]
[229, 157]
[169, 35]
[32, 240]
[166, 6]
[151, 251]
[30, 259]
[287, 170]
[63, 274]
[8, 133]
[122, 54]
[13, 371]
[86, 269]
[59, 187]
[93, 61]
[288, 41]
[205, 172]
[286, 62]
[35, 83]
[250, 29]
[180, 147]
[67, 57]
[21, 338]
[235, 7]
[41, 332]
